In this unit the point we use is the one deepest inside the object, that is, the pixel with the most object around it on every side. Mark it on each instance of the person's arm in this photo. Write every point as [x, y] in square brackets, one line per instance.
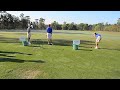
[46, 31]
[31, 26]
[93, 35]
[51, 30]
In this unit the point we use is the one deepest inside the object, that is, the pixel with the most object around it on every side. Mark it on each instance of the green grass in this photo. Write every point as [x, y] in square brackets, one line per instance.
[60, 61]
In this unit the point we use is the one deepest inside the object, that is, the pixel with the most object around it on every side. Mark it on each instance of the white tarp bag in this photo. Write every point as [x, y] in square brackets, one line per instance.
[76, 42]
[22, 38]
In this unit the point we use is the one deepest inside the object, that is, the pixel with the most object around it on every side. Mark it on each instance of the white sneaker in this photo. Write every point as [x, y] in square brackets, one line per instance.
[29, 43]
[96, 47]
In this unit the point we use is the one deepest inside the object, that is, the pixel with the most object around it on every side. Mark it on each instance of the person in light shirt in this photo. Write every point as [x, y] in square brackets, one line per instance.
[98, 39]
[30, 26]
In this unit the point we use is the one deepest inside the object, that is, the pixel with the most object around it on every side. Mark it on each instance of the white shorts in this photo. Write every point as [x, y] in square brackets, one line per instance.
[49, 35]
[28, 35]
[98, 39]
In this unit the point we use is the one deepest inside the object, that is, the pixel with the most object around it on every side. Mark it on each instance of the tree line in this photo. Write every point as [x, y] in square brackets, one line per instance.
[8, 21]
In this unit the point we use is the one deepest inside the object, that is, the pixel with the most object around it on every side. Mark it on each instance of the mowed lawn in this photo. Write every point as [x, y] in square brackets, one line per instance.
[60, 61]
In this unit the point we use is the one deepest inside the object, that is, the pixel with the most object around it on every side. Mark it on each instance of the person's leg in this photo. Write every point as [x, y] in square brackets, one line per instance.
[29, 37]
[48, 41]
[97, 41]
[51, 38]
[48, 38]
[96, 45]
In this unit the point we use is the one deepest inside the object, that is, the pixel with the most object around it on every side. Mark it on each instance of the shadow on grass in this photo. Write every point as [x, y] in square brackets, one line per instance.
[9, 40]
[85, 49]
[19, 61]
[110, 49]
[86, 42]
[40, 42]
[88, 46]
[6, 52]
[67, 32]
[60, 42]
[3, 54]
[6, 55]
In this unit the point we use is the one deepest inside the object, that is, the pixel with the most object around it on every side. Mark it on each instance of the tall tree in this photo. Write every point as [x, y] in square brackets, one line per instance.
[85, 27]
[42, 23]
[80, 26]
[56, 25]
[72, 26]
[28, 18]
[36, 23]
[118, 21]
[65, 26]
[21, 15]
[23, 21]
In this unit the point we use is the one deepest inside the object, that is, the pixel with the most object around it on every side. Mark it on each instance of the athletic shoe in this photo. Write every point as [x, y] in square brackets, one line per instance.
[29, 43]
[96, 47]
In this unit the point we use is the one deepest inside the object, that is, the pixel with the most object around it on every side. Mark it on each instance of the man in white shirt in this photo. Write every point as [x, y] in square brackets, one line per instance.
[30, 26]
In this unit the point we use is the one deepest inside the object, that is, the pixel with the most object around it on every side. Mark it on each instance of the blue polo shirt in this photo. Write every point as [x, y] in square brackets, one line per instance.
[49, 30]
[97, 35]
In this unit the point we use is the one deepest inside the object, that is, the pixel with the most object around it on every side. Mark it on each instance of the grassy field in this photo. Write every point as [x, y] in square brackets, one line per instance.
[60, 61]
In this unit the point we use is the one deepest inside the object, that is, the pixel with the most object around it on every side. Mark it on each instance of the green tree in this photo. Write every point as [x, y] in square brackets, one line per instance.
[90, 27]
[16, 22]
[65, 26]
[21, 16]
[80, 26]
[72, 26]
[42, 23]
[55, 25]
[24, 21]
[36, 24]
[27, 18]
[118, 21]
[85, 27]
[106, 24]
[10, 21]
[99, 27]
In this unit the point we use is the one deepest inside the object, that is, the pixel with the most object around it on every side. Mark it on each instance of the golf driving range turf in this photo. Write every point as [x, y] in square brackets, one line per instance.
[60, 61]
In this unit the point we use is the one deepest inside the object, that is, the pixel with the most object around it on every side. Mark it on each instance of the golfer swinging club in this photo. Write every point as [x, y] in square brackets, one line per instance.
[30, 26]
[98, 39]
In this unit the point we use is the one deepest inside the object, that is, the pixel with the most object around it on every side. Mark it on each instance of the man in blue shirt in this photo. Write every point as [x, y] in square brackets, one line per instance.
[98, 39]
[49, 34]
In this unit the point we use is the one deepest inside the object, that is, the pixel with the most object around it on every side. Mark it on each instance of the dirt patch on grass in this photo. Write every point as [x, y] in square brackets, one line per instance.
[31, 74]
